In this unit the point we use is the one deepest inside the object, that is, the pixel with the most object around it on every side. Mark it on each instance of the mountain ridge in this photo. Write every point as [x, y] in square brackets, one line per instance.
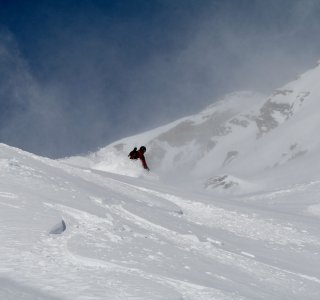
[243, 134]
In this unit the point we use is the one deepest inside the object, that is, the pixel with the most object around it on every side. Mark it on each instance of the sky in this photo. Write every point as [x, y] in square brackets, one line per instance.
[77, 75]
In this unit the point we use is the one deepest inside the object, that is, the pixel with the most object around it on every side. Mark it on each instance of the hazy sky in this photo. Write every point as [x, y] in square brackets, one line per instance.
[79, 74]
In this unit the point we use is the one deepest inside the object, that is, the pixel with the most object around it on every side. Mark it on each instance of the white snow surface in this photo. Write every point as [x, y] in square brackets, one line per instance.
[230, 209]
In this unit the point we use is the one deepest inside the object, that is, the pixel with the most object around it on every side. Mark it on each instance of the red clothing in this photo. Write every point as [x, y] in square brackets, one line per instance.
[143, 159]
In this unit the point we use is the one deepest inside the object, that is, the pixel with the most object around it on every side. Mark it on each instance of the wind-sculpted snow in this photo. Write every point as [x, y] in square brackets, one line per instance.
[129, 238]
[242, 224]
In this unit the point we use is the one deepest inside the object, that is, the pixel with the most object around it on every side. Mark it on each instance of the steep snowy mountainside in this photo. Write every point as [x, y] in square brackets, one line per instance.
[75, 233]
[286, 131]
[243, 136]
[179, 145]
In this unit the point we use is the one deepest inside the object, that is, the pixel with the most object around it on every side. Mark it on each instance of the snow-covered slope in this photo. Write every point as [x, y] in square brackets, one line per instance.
[176, 147]
[75, 233]
[238, 142]
[246, 225]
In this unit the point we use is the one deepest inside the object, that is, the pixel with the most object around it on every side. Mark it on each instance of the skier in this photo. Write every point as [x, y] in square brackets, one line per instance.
[133, 154]
[141, 152]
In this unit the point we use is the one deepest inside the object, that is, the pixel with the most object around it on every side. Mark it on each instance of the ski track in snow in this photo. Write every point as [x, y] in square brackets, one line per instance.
[8, 195]
[240, 224]
[88, 222]
[188, 243]
[191, 243]
[289, 190]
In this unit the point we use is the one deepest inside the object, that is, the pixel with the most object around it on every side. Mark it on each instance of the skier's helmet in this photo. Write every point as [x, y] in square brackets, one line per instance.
[143, 148]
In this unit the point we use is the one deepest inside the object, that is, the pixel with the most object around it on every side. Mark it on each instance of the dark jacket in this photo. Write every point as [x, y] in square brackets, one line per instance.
[134, 154]
[143, 159]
